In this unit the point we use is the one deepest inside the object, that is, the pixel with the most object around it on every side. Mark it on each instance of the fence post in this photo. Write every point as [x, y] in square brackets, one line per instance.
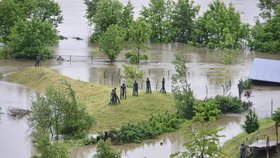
[112, 77]
[119, 72]
[156, 85]
[105, 73]
[92, 58]
[149, 73]
[168, 74]
[206, 90]
[142, 84]
[271, 107]
[70, 58]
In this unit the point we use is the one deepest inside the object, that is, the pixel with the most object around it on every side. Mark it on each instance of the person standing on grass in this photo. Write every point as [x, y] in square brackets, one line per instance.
[148, 86]
[162, 90]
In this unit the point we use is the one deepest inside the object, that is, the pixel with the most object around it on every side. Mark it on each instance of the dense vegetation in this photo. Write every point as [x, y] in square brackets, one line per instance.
[59, 112]
[29, 27]
[251, 123]
[104, 150]
[147, 129]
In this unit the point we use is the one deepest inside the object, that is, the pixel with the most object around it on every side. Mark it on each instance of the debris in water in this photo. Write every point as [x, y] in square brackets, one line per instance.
[18, 112]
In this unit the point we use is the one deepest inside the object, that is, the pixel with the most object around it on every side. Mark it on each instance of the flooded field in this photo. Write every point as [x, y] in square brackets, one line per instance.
[206, 72]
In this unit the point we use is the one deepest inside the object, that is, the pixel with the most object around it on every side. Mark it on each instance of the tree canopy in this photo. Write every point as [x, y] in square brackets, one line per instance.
[220, 27]
[42, 16]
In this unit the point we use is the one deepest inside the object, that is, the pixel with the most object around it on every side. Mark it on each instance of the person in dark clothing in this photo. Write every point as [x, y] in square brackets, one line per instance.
[162, 90]
[37, 61]
[135, 88]
[116, 98]
[112, 100]
[123, 91]
[148, 86]
[242, 151]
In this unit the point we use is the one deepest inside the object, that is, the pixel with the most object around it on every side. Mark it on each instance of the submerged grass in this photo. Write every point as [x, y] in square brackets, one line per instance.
[96, 98]
[267, 128]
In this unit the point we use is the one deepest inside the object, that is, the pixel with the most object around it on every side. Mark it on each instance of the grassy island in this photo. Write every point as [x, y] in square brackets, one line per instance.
[96, 98]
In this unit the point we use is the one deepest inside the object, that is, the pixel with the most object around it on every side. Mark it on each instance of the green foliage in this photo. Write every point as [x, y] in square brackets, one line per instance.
[59, 110]
[246, 83]
[267, 8]
[134, 58]
[29, 38]
[139, 34]
[220, 27]
[131, 73]
[158, 16]
[91, 9]
[45, 148]
[147, 129]
[228, 104]
[29, 27]
[107, 13]
[104, 150]
[265, 36]
[183, 20]
[251, 123]
[181, 88]
[207, 110]
[228, 56]
[126, 19]
[111, 42]
[276, 116]
[203, 142]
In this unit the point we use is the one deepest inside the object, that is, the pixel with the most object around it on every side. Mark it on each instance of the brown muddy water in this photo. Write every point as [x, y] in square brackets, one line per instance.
[205, 67]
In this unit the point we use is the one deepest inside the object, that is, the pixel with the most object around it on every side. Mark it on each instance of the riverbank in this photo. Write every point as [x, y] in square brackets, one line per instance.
[267, 128]
[96, 98]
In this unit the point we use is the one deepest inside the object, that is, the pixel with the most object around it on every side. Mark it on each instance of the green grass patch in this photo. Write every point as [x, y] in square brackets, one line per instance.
[96, 98]
[267, 128]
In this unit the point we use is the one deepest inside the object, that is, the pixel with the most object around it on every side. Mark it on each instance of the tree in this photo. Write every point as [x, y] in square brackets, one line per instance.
[12, 11]
[46, 148]
[183, 20]
[91, 8]
[59, 110]
[181, 88]
[104, 150]
[276, 118]
[203, 141]
[251, 123]
[139, 34]
[220, 27]
[111, 42]
[29, 38]
[126, 19]
[108, 12]
[265, 36]
[267, 8]
[131, 73]
[157, 15]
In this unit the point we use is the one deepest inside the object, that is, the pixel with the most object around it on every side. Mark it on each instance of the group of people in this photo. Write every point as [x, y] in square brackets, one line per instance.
[114, 99]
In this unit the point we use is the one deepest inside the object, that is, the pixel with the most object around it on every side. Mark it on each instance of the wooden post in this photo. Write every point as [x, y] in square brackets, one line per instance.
[105, 73]
[70, 58]
[156, 85]
[267, 147]
[271, 108]
[206, 91]
[276, 128]
[149, 73]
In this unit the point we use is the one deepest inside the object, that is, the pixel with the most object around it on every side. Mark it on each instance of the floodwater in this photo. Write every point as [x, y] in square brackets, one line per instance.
[207, 76]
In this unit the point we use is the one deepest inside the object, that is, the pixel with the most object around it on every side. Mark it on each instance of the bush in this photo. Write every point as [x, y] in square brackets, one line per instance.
[228, 104]
[148, 129]
[131, 73]
[104, 150]
[251, 123]
[207, 110]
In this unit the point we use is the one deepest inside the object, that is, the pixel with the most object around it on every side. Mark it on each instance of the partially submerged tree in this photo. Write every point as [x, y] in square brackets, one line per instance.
[139, 35]
[220, 27]
[30, 38]
[181, 88]
[111, 42]
[104, 150]
[131, 73]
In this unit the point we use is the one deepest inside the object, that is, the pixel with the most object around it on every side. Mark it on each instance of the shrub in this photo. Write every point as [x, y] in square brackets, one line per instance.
[104, 150]
[228, 104]
[148, 129]
[131, 73]
[251, 123]
[207, 110]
